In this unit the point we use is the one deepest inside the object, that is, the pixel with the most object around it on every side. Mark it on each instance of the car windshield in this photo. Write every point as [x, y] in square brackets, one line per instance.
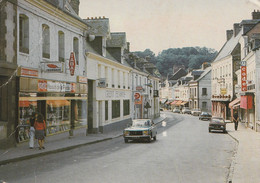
[141, 124]
[204, 113]
[217, 120]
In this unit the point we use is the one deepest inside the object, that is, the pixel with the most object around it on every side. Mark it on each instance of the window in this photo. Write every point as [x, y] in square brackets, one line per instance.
[23, 34]
[204, 105]
[76, 49]
[61, 44]
[106, 110]
[45, 41]
[204, 91]
[126, 107]
[115, 109]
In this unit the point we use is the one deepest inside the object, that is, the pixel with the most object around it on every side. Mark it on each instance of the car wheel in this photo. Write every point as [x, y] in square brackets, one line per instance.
[154, 138]
[149, 138]
[126, 140]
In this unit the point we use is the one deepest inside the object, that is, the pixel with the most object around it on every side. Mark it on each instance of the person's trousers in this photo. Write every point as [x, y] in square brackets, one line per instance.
[236, 124]
[32, 136]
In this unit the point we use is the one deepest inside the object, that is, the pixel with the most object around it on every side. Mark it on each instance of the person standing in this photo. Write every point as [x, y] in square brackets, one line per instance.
[32, 131]
[235, 119]
[40, 127]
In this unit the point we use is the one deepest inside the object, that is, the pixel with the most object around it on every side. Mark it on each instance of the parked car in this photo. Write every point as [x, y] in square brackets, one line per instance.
[176, 110]
[195, 112]
[217, 123]
[141, 129]
[186, 110]
[205, 115]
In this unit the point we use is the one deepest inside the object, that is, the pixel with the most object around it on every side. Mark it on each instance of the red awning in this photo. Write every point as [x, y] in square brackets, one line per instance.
[26, 103]
[234, 102]
[179, 102]
[174, 102]
[246, 102]
[58, 103]
[184, 102]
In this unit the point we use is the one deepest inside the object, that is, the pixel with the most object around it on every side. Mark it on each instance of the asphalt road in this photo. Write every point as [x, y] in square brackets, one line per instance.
[184, 153]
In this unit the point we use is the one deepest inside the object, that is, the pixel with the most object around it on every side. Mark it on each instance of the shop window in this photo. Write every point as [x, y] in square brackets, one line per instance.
[115, 108]
[126, 107]
[61, 42]
[23, 33]
[45, 41]
[76, 49]
[26, 110]
[58, 116]
[106, 110]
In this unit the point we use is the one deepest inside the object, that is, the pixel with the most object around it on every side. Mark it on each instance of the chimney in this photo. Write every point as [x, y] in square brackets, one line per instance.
[229, 34]
[75, 5]
[255, 15]
[237, 28]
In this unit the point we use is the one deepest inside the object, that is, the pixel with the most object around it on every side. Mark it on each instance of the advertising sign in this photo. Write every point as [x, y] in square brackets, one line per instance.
[72, 63]
[28, 72]
[243, 77]
[52, 67]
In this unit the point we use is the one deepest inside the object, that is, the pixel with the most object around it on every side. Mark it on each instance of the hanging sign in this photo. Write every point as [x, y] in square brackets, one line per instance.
[243, 76]
[72, 63]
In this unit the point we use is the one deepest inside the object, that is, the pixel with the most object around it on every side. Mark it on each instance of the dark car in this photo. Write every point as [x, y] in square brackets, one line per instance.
[141, 129]
[205, 116]
[217, 123]
[176, 110]
[186, 110]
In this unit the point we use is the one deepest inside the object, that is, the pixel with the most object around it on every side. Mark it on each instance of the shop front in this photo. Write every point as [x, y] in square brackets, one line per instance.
[63, 105]
[248, 110]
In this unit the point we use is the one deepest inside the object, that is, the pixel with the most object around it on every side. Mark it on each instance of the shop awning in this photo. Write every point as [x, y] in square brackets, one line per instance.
[58, 103]
[184, 102]
[174, 102]
[246, 102]
[179, 102]
[163, 100]
[234, 102]
[26, 103]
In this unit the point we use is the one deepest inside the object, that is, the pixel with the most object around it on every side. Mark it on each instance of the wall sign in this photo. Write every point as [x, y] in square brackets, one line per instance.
[243, 78]
[54, 86]
[72, 63]
[27, 72]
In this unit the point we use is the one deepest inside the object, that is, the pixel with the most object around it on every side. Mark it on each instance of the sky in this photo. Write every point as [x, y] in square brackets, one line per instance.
[161, 24]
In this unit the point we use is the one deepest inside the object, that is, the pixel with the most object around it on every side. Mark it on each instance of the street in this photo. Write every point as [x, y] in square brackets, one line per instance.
[184, 152]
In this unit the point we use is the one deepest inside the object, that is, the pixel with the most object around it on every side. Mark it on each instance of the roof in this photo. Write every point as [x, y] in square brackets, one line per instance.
[197, 72]
[228, 47]
[206, 71]
[98, 26]
[178, 74]
[118, 39]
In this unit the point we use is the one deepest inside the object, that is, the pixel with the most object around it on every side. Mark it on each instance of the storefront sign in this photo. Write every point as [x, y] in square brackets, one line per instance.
[52, 67]
[243, 78]
[28, 72]
[82, 79]
[139, 88]
[223, 91]
[72, 63]
[54, 86]
[115, 94]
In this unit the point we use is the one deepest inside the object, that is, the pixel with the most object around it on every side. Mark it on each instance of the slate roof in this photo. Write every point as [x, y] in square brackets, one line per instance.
[118, 39]
[205, 72]
[181, 72]
[228, 47]
[98, 26]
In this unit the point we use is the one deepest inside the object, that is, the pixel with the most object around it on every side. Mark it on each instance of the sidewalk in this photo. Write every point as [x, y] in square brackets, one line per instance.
[246, 163]
[58, 143]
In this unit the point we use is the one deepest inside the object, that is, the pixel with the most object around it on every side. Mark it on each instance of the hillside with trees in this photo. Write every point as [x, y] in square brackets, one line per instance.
[189, 57]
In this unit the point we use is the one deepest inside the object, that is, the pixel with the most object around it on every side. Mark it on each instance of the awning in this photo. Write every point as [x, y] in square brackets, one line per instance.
[184, 102]
[174, 102]
[234, 102]
[246, 102]
[58, 103]
[26, 103]
[163, 100]
[179, 102]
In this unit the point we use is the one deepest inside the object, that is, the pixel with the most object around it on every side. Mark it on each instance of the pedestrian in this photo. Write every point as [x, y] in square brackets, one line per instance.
[235, 120]
[40, 128]
[32, 131]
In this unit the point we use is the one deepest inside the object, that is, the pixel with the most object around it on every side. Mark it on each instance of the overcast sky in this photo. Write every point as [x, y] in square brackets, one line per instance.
[163, 24]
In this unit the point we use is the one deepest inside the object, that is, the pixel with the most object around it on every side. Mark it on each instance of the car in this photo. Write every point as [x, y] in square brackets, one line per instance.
[186, 110]
[176, 110]
[217, 123]
[205, 115]
[141, 129]
[196, 112]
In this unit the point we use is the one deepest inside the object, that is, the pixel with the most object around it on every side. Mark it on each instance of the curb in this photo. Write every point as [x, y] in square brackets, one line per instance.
[233, 162]
[4, 162]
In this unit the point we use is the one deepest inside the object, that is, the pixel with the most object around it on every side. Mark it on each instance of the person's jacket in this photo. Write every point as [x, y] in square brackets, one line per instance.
[39, 126]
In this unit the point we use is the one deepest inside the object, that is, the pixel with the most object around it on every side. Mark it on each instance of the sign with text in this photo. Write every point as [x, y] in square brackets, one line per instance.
[72, 63]
[27, 72]
[243, 78]
[54, 86]
[52, 67]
